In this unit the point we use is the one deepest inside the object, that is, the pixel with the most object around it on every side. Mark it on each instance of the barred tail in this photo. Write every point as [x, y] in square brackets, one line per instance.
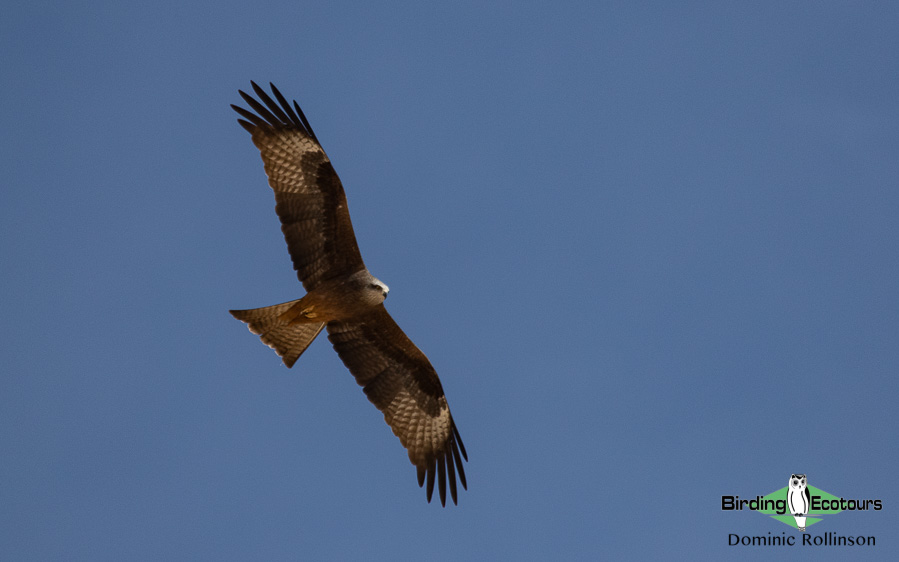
[288, 340]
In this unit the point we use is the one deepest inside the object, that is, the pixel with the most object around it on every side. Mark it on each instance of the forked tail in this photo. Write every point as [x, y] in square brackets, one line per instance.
[288, 340]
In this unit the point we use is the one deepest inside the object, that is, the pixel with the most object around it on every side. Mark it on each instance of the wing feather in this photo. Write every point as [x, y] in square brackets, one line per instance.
[310, 200]
[278, 112]
[290, 113]
[400, 381]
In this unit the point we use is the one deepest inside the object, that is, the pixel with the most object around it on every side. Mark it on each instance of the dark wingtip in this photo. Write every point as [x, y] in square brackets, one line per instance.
[431, 471]
[275, 109]
[260, 109]
[459, 440]
[285, 105]
[459, 466]
[271, 113]
[249, 116]
[305, 121]
[451, 473]
[441, 479]
[445, 467]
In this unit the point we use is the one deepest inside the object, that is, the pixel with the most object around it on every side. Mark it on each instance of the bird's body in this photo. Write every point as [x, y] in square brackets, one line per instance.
[343, 296]
[338, 299]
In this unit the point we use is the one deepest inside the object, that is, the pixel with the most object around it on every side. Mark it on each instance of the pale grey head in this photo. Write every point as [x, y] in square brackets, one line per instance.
[373, 290]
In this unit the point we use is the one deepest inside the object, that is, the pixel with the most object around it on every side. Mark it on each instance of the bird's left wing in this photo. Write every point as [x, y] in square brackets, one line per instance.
[400, 381]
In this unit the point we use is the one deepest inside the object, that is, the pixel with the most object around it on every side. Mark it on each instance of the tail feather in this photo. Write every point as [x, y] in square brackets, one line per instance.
[288, 340]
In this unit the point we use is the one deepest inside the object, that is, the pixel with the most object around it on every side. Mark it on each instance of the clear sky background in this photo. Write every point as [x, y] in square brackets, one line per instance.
[651, 248]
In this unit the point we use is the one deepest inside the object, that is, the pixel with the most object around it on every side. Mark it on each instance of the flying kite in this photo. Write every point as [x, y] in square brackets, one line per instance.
[343, 296]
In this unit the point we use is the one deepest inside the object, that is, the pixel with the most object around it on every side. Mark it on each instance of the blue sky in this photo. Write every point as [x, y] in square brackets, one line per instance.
[651, 249]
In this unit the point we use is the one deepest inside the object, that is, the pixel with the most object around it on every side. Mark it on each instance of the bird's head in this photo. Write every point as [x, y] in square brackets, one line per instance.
[380, 288]
[374, 291]
[369, 288]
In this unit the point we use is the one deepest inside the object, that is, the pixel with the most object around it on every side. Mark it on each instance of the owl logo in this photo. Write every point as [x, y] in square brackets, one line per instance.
[798, 499]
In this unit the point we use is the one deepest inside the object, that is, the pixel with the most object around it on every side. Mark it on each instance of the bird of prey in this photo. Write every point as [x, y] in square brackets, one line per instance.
[342, 296]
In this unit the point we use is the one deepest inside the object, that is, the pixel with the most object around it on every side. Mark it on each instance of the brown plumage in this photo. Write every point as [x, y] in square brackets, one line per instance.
[343, 296]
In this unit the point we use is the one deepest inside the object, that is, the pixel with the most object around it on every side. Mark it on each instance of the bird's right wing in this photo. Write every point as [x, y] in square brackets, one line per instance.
[309, 197]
